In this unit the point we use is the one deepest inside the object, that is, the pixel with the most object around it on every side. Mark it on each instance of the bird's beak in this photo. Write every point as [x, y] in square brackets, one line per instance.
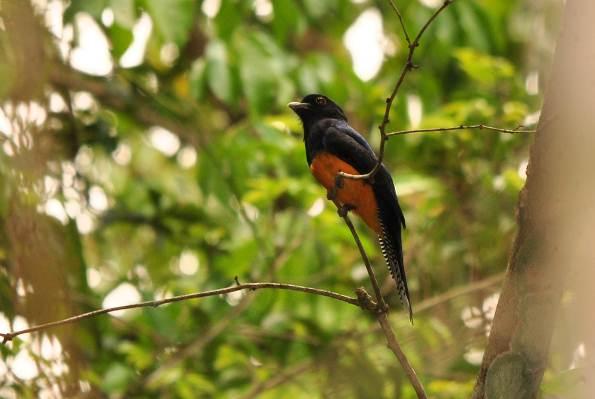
[296, 106]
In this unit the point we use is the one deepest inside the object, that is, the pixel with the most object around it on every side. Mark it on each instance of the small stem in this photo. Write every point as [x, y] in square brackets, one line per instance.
[381, 312]
[394, 7]
[389, 101]
[379, 299]
[393, 344]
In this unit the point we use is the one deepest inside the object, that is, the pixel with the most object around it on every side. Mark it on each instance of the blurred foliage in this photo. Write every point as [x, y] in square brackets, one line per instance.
[184, 171]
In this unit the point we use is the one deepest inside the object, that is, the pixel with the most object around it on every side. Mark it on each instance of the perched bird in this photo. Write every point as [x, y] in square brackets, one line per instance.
[332, 146]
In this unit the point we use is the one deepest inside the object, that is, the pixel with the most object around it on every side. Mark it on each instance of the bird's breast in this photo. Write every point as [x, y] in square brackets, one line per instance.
[357, 193]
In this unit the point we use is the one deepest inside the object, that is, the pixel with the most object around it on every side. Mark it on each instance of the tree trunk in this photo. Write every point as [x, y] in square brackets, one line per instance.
[556, 219]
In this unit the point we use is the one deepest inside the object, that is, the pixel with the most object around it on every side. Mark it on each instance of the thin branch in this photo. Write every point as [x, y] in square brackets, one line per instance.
[379, 299]
[250, 286]
[396, 9]
[389, 101]
[381, 311]
[459, 291]
[429, 21]
[460, 127]
[291, 373]
[280, 379]
[235, 193]
[394, 346]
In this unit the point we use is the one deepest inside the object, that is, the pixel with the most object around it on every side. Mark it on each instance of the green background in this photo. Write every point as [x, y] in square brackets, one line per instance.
[248, 207]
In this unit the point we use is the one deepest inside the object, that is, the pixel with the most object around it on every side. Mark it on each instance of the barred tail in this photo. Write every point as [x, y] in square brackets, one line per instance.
[391, 222]
[390, 244]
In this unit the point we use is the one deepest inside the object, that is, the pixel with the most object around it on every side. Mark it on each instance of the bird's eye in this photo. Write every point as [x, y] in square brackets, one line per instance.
[320, 100]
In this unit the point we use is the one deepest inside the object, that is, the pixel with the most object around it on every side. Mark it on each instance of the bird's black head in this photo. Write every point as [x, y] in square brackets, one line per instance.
[314, 107]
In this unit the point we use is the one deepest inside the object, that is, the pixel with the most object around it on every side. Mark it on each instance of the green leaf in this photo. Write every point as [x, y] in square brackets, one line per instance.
[229, 17]
[120, 38]
[91, 7]
[515, 112]
[470, 20]
[237, 263]
[124, 12]
[318, 8]
[288, 20]
[228, 357]
[172, 18]
[192, 384]
[219, 77]
[117, 378]
[262, 72]
[484, 68]
[137, 355]
[450, 389]
[198, 79]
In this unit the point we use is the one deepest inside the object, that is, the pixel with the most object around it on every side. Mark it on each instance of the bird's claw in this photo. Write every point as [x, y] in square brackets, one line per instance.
[339, 181]
[331, 195]
[343, 210]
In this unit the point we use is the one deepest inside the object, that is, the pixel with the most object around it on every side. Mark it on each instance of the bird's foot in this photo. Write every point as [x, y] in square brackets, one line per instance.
[338, 181]
[331, 195]
[367, 303]
[343, 210]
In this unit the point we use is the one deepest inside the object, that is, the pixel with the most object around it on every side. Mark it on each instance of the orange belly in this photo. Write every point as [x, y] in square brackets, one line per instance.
[357, 193]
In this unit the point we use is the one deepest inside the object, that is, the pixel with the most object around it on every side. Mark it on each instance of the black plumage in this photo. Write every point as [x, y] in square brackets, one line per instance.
[326, 131]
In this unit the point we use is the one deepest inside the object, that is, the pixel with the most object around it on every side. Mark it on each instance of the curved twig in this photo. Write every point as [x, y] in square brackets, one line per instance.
[409, 65]
[250, 286]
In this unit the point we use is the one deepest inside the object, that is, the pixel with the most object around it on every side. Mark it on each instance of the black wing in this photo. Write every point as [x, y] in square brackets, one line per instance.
[355, 135]
[349, 146]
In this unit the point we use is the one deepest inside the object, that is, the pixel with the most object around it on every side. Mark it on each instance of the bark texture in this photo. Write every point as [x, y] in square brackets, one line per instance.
[556, 219]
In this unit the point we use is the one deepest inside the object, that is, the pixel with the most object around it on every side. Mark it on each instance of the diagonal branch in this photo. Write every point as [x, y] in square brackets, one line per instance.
[393, 344]
[396, 9]
[380, 309]
[250, 286]
[458, 291]
[382, 306]
[409, 65]
[280, 378]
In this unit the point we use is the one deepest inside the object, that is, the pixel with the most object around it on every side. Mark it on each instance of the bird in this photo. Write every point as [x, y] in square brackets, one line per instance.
[333, 146]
